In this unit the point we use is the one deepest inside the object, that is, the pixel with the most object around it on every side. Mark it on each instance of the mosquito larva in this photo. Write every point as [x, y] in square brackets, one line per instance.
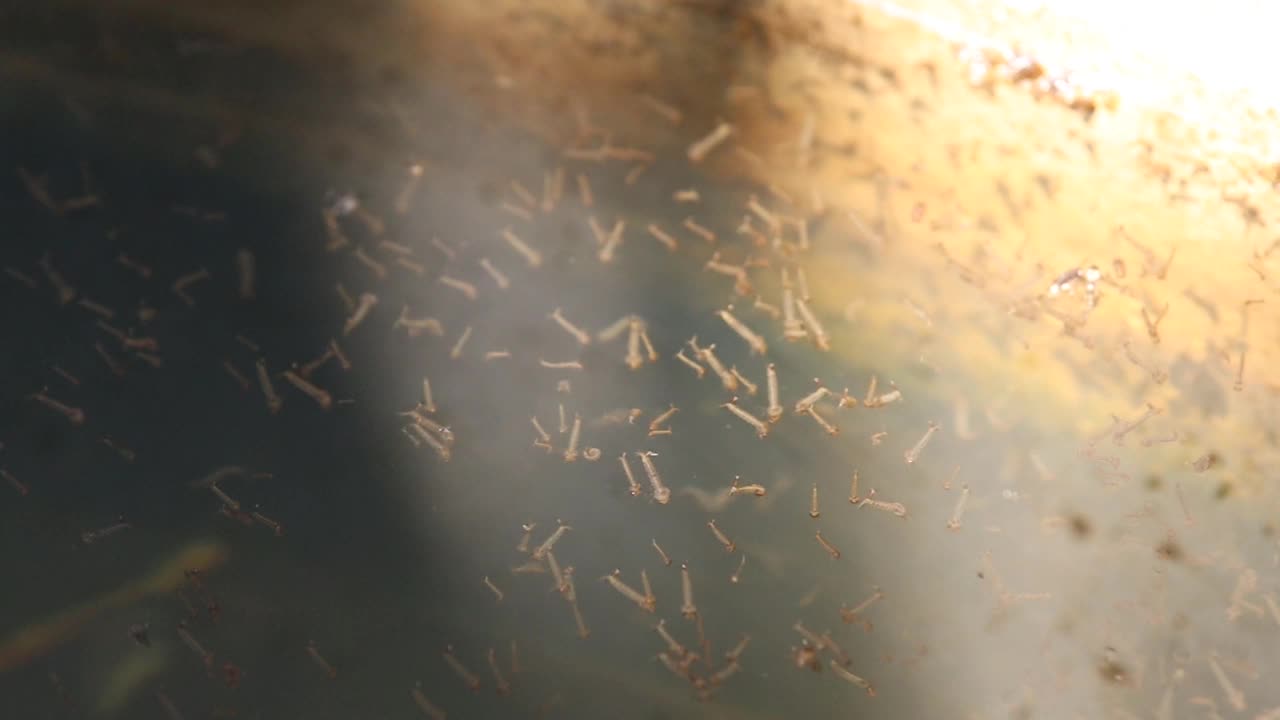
[362, 308]
[813, 503]
[774, 412]
[733, 655]
[768, 218]
[741, 283]
[611, 242]
[444, 431]
[746, 384]
[761, 428]
[21, 277]
[634, 487]
[895, 508]
[522, 193]
[467, 289]
[700, 230]
[569, 591]
[657, 233]
[687, 608]
[310, 389]
[729, 545]
[314, 652]
[526, 537]
[74, 415]
[556, 574]
[634, 174]
[235, 374]
[753, 339]
[813, 639]
[914, 453]
[1235, 698]
[647, 343]
[501, 686]
[531, 256]
[550, 542]
[428, 708]
[347, 301]
[666, 559]
[273, 400]
[844, 674]
[170, 709]
[96, 308]
[669, 113]
[18, 485]
[736, 488]
[456, 351]
[954, 522]
[697, 369]
[766, 308]
[582, 336]
[190, 641]
[1158, 375]
[852, 615]
[517, 210]
[823, 422]
[583, 631]
[808, 401]
[720, 676]
[66, 293]
[378, 269]
[792, 329]
[815, 329]
[499, 278]
[645, 602]
[552, 189]
[634, 360]
[428, 402]
[886, 398]
[143, 271]
[571, 451]
[494, 588]
[470, 679]
[1124, 428]
[89, 537]
[826, 545]
[673, 645]
[657, 423]
[1152, 321]
[699, 150]
[444, 248]
[415, 430]
[615, 329]
[180, 285]
[544, 438]
[661, 493]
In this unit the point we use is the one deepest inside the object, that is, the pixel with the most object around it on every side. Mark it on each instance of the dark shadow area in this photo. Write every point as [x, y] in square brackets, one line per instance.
[144, 165]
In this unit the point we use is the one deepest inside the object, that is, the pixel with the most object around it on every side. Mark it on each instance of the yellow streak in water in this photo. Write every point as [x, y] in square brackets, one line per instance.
[43, 636]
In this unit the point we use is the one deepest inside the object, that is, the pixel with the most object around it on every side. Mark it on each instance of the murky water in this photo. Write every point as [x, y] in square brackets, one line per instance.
[1069, 518]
